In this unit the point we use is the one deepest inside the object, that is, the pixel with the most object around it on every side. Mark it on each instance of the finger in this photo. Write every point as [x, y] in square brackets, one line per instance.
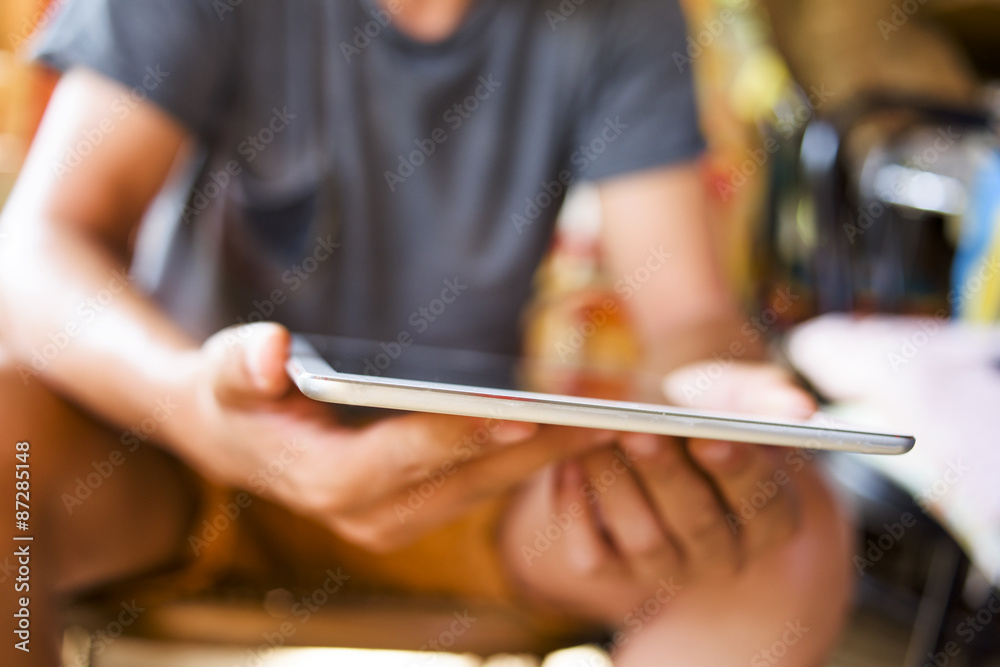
[411, 450]
[757, 494]
[408, 453]
[511, 432]
[632, 525]
[506, 468]
[689, 507]
[248, 362]
[754, 388]
[458, 483]
[586, 549]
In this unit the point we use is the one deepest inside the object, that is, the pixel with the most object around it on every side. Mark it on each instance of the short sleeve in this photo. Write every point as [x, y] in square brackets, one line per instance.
[178, 53]
[639, 108]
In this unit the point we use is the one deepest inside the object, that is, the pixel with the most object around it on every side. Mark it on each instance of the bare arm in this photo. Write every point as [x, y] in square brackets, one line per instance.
[684, 311]
[65, 312]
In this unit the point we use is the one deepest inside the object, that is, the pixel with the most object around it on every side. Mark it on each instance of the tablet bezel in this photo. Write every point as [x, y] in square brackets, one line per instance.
[317, 379]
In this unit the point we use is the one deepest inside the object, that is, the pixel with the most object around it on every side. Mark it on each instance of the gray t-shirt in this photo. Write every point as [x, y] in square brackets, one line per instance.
[358, 182]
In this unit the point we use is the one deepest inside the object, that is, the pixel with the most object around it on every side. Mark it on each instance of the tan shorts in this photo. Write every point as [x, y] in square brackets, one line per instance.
[268, 544]
[243, 541]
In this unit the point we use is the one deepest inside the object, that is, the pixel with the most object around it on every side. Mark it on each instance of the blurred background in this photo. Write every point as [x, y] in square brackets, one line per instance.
[853, 171]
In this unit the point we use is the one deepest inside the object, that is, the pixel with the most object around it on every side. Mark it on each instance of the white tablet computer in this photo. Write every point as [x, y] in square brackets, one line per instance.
[475, 384]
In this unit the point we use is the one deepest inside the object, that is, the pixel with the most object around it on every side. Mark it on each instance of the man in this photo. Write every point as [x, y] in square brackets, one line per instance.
[354, 161]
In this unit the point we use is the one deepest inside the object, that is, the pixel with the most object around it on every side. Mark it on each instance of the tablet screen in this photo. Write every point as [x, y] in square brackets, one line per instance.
[425, 363]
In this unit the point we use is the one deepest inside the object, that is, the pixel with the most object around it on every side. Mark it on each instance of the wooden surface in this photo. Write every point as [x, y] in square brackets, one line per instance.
[870, 641]
[353, 623]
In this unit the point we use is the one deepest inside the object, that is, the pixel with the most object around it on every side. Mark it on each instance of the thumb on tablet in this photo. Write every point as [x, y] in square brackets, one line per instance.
[753, 388]
[511, 432]
[249, 361]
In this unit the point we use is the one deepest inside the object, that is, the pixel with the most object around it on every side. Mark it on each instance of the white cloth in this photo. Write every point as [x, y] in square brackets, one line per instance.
[937, 380]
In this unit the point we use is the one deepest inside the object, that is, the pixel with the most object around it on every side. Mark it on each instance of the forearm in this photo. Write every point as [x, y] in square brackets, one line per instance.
[720, 336]
[70, 318]
[657, 228]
